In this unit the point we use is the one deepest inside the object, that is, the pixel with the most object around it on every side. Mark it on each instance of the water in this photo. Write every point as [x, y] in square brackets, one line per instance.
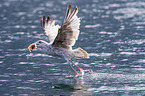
[112, 32]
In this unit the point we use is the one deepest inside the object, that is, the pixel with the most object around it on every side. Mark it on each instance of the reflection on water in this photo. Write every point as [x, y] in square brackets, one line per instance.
[112, 32]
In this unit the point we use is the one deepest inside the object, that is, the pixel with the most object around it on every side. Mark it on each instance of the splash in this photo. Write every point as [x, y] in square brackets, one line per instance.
[89, 75]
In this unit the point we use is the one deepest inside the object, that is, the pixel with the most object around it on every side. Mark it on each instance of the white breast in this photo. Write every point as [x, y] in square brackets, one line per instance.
[58, 52]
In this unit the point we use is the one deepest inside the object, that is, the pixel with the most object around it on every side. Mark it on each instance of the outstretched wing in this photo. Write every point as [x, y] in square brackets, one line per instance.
[69, 31]
[49, 27]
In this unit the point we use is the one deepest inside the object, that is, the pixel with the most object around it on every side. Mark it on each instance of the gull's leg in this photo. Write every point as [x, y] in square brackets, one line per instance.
[76, 66]
[73, 68]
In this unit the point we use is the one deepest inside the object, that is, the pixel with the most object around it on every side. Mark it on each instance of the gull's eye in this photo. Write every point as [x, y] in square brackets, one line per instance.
[39, 41]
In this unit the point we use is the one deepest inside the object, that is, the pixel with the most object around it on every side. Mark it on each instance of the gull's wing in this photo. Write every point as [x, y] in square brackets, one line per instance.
[49, 27]
[69, 31]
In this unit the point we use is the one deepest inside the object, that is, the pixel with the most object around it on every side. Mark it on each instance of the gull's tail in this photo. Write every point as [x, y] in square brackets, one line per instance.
[79, 52]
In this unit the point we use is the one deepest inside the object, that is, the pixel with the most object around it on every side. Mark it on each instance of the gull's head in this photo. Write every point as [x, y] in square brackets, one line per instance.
[38, 44]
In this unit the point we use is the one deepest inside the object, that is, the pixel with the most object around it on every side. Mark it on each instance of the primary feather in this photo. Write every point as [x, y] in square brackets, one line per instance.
[49, 27]
[69, 31]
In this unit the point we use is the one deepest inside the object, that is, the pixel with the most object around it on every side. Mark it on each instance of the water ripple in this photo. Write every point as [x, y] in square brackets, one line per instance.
[112, 32]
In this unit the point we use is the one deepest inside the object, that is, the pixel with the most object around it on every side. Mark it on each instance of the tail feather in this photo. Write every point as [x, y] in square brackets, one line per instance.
[79, 52]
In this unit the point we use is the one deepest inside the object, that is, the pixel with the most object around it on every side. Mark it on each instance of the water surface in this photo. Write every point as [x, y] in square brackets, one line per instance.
[112, 32]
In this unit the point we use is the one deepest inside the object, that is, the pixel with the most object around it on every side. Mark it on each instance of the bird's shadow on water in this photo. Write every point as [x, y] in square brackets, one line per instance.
[70, 86]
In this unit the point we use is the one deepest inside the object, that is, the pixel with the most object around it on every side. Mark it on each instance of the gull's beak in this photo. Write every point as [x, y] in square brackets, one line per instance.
[32, 46]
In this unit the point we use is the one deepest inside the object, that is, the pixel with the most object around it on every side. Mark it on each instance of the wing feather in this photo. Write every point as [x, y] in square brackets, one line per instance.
[49, 27]
[69, 31]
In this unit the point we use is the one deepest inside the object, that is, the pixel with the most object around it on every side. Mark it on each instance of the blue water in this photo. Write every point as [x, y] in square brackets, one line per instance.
[112, 32]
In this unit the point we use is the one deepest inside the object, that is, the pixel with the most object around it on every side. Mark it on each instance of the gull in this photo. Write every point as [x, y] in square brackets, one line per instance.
[61, 38]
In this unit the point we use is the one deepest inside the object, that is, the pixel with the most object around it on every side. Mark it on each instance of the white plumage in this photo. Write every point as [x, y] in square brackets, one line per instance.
[61, 38]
